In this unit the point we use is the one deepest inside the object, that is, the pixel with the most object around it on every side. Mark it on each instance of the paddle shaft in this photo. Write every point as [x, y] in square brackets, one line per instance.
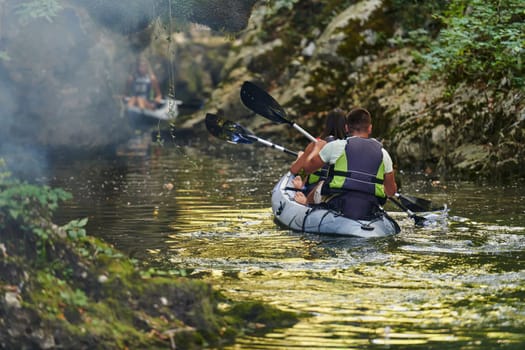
[304, 132]
[261, 102]
[272, 145]
[419, 220]
[414, 203]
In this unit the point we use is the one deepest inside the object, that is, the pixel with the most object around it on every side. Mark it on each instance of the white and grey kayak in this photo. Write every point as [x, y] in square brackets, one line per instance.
[302, 218]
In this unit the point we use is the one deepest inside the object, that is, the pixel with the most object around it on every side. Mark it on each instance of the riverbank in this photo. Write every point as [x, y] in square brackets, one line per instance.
[62, 288]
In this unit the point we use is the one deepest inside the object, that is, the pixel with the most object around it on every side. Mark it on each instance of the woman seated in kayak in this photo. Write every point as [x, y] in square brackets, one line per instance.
[334, 129]
[143, 86]
[362, 173]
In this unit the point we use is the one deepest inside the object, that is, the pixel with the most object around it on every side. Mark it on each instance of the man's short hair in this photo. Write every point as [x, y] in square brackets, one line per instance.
[358, 119]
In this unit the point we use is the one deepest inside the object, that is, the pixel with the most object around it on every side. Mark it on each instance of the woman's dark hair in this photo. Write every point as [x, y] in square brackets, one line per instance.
[334, 124]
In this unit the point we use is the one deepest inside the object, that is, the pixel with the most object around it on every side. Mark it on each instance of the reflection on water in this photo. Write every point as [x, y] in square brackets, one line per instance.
[461, 285]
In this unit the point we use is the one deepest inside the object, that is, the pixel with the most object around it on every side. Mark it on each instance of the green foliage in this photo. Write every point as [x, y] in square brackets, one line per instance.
[4, 56]
[181, 9]
[56, 293]
[483, 41]
[75, 229]
[106, 250]
[34, 9]
[4, 173]
[29, 205]
[419, 38]
[151, 272]
[417, 14]
[74, 298]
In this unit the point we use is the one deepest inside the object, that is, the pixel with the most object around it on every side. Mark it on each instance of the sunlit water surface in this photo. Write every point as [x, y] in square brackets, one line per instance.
[451, 286]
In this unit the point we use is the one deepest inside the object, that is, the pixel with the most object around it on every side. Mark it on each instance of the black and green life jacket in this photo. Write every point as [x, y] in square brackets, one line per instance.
[360, 168]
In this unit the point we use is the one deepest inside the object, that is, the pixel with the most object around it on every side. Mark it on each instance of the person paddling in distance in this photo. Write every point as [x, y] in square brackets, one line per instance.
[142, 86]
[334, 129]
[361, 175]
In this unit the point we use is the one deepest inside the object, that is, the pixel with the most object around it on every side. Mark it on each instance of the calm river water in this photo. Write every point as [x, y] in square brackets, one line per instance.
[454, 286]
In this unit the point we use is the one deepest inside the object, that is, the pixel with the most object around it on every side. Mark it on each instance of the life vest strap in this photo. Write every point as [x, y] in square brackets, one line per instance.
[358, 176]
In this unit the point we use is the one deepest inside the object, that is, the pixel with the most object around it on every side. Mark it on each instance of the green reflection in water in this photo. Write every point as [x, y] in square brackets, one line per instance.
[460, 285]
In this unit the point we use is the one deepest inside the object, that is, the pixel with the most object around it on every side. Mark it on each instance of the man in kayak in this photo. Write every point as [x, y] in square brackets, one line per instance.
[361, 175]
[143, 86]
[334, 129]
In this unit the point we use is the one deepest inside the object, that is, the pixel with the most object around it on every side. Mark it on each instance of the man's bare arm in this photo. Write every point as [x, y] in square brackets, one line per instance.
[390, 184]
[312, 163]
[311, 150]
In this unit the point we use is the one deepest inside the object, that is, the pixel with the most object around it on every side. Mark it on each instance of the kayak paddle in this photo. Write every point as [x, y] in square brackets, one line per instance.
[232, 132]
[416, 204]
[418, 220]
[262, 103]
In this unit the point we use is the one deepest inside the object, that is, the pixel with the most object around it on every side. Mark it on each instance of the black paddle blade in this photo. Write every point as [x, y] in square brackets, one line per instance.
[227, 130]
[262, 103]
[419, 220]
[416, 204]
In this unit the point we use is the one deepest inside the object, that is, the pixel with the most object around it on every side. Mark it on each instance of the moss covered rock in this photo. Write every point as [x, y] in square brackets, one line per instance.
[60, 288]
[313, 56]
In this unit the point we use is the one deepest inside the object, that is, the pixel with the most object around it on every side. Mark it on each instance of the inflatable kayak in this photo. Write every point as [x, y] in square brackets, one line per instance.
[166, 110]
[303, 218]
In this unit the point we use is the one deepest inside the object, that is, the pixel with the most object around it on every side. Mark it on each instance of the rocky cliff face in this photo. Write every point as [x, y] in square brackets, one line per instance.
[317, 56]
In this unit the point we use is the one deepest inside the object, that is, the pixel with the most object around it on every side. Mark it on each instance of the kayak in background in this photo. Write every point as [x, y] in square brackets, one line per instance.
[166, 110]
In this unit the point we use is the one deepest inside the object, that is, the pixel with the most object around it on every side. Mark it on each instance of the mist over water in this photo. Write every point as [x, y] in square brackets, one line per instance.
[63, 69]
[58, 81]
